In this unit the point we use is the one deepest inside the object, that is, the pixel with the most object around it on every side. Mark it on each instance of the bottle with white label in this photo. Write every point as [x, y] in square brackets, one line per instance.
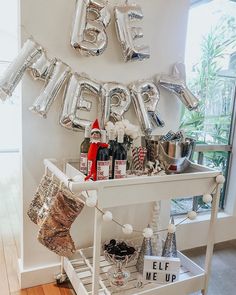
[84, 147]
[103, 160]
[112, 145]
[120, 157]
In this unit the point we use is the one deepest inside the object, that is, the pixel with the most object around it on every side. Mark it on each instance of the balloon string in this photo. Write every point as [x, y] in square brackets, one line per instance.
[29, 35]
[156, 232]
[26, 32]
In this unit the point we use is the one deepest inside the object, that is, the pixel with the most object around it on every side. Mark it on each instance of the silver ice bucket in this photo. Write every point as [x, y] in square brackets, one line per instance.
[175, 156]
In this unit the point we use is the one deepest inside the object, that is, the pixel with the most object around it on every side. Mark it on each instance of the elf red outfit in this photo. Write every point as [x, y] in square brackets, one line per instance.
[93, 150]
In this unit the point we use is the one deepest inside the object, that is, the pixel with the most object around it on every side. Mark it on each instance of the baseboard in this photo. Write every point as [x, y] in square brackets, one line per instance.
[37, 276]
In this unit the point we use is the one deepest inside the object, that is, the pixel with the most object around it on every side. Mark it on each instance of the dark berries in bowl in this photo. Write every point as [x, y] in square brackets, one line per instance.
[119, 249]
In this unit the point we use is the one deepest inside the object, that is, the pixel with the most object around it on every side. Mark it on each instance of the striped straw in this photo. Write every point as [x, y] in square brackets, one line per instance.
[135, 156]
[142, 152]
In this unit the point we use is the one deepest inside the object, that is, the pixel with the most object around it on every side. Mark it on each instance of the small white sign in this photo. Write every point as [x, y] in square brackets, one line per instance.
[162, 270]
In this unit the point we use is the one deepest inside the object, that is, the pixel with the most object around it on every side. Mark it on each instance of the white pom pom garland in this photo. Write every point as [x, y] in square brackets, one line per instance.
[220, 179]
[127, 229]
[147, 232]
[171, 228]
[192, 215]
[107, 216]
[207, 198]
[91, 201]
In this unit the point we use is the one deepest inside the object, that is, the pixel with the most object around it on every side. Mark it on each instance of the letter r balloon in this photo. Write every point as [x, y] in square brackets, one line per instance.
[145, 96]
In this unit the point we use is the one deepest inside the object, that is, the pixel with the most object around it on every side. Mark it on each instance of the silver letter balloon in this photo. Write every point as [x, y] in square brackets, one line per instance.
[74, 102]
[53, 85]
[116, 101]
[145, 96]
[42, 67]
[177, 85]
[127, 34]
[90, 21]
[29, 53]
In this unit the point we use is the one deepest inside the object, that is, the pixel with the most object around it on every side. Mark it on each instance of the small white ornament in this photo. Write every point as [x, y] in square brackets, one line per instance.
[107, 216]
[220, 179]
[171, 228]
[127, 229]
[192, 215]
[207, 198]
[91, 201]
[147, 232]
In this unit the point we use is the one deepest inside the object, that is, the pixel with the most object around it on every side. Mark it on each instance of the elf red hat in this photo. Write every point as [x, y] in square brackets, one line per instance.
[95, 126]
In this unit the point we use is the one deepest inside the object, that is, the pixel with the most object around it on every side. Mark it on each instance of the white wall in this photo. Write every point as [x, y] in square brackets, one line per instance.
[49, 21]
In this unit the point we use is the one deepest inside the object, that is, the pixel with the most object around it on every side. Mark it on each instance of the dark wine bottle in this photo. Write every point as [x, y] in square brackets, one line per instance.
[103, 160]
[112, 145]
[119, 157]
[84, 147]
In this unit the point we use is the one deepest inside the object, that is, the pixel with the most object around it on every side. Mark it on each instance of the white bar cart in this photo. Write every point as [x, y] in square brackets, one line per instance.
[87, 269]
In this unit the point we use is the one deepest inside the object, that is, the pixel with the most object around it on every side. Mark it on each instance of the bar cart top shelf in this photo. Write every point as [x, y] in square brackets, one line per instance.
[197, 180]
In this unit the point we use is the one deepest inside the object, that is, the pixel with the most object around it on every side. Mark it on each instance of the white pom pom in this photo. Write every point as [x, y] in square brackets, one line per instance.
[220, 179]
[147, 232]
[192, 215]
[171, 228]
[107, 216]
[127, 229]
[207, 198]
[91, 201]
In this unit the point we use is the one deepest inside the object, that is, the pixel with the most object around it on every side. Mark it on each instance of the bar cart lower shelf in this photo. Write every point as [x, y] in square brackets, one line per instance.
[80, 267]
[87, 270]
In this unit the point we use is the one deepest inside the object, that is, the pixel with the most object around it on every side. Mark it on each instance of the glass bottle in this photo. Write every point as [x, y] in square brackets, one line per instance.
[103, 160]
[112, 145]
[120, 157]
[84, 147]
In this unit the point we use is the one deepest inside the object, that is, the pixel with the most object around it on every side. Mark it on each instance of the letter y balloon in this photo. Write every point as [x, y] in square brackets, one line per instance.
[176, 83]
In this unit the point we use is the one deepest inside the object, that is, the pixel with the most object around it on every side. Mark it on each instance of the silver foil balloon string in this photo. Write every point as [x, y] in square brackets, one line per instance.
[42, 67]
[145, 96]
[90, 21]
[29, 53]
[127, 34]
[74, 101]
[59, 74]
[116, 99]
[169, 248]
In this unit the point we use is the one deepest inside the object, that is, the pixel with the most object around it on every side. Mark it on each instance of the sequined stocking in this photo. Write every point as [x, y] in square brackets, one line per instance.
[54, 232]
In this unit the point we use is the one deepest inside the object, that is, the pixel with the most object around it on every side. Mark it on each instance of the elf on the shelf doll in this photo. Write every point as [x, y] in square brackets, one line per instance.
[95, 144]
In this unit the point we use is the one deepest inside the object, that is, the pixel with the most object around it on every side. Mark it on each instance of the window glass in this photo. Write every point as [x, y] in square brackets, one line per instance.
[211, 75]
